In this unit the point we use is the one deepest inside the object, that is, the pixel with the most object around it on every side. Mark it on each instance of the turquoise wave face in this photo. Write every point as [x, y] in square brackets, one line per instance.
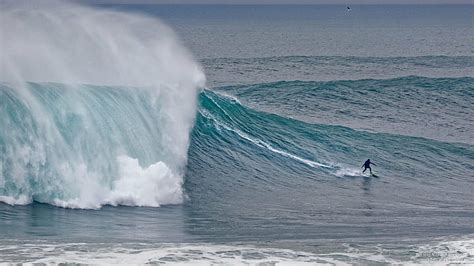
[228, 125]
[436, 108]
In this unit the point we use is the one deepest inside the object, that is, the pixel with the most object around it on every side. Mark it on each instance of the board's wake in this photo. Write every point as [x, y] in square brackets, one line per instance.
[352, 172]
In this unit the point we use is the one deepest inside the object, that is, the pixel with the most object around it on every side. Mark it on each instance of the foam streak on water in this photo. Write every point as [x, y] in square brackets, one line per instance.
[256, 141]
[443, 251]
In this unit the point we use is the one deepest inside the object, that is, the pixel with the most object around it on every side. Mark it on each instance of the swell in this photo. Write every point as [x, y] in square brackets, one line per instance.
[438, 61]
[228, 71]
[436, 108]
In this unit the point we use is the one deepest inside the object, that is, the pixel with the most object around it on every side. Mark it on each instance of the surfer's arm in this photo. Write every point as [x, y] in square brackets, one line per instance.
[373, 163]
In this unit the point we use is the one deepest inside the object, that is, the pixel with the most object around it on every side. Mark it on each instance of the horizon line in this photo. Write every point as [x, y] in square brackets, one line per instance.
[287, 4]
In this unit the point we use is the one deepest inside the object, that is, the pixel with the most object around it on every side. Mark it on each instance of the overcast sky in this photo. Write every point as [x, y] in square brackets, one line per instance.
[349, 2]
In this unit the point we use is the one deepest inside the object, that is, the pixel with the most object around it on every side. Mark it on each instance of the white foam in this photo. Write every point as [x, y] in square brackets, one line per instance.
[185, 254]
[459, 251]
[150, 186]
[348, 171]
[20, 200]
[450, 251]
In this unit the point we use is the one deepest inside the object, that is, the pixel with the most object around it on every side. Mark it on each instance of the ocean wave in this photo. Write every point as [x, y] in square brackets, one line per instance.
[238, 71]
[123, 159]
[436, 108]
[241, 144]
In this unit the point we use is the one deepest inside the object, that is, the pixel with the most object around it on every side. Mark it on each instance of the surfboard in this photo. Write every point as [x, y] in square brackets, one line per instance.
[374, 175]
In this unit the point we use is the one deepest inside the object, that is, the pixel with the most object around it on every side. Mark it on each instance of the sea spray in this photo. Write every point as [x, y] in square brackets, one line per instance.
[96, 106]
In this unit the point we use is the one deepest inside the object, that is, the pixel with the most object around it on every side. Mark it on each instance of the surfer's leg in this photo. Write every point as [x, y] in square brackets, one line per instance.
[364, 170]
[370, 169]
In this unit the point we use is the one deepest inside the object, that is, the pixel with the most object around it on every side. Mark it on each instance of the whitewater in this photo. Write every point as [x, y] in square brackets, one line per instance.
[97, 107]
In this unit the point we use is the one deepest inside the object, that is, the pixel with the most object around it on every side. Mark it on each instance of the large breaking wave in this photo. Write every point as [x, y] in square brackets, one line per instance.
[121, 140]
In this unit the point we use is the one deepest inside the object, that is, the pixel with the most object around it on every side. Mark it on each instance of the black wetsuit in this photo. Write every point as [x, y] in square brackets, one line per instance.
[367, 166]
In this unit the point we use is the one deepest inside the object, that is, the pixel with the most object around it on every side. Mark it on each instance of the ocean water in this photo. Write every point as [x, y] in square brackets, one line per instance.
[235, 134]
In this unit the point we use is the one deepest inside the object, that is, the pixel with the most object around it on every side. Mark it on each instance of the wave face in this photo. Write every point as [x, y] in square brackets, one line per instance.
[122, 140]
[277, 177]
[265, 139]
[436, 108]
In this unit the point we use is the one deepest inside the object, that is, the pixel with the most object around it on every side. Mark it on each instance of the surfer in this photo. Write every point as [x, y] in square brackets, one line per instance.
[367, 165]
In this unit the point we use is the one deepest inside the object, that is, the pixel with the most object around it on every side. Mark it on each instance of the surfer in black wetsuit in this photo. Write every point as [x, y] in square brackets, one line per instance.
[367, 165]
